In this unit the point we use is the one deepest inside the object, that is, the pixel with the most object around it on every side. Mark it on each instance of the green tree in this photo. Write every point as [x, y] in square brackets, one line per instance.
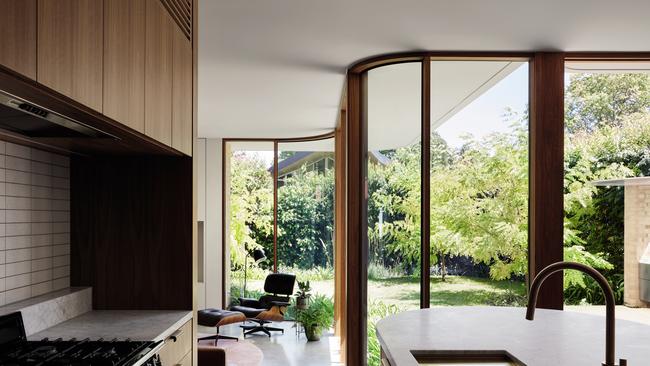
[306, 219]
[251, 206]
[608, 136]
[594, 100]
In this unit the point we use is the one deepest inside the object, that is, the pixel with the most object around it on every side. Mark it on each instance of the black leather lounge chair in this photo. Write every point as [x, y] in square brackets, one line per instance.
[270, 307]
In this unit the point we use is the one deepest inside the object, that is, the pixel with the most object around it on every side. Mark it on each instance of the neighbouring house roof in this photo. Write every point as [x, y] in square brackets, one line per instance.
[298, 157]
[380, 158]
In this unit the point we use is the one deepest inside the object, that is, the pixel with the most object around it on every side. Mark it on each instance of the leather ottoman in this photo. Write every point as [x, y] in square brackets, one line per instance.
[217, 318]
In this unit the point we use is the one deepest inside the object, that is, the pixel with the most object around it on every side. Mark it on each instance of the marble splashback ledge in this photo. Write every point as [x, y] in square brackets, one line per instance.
[48, 310]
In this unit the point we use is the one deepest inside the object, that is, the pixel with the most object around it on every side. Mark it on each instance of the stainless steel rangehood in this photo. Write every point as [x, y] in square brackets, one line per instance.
[28, 119]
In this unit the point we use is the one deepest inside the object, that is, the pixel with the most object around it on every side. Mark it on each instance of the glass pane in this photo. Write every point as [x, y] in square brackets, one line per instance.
[305, 206]
[479, 182]
[394, 124]
[306, 215]
[249, 220]
[606, 200]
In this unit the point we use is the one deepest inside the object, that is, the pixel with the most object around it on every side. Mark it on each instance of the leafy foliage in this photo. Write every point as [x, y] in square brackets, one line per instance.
[319, 314]
[251, 207]
[479, 200]
[479, 195]
[608, 136]
[377, 310]
[306, 219]
[598, 100]
[304, 290]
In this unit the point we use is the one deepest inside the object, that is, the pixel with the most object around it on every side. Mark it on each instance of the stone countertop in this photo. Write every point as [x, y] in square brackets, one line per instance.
[141, 325]
[554, 338]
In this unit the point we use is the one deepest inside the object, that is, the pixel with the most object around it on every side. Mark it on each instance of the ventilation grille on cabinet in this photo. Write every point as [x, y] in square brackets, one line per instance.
[181, 12]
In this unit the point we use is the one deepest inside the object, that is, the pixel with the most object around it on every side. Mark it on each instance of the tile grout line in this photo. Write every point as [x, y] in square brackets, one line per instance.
[37, 214]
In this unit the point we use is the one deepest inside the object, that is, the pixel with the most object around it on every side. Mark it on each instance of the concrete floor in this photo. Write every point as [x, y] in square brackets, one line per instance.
[289, 348]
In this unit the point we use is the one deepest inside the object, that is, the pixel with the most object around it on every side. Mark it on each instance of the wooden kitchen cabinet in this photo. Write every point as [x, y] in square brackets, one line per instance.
[129, 60]
[70, 49]
[158, 72]
[178, 346]
[124, 59]
[182, 93]
[18, 36]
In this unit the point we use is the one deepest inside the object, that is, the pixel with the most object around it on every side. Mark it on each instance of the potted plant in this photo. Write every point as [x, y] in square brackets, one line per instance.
[317, 317]
[303, 295]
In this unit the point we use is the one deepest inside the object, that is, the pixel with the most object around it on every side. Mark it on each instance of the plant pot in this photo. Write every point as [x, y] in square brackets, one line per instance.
[313, 333]
[301, 303]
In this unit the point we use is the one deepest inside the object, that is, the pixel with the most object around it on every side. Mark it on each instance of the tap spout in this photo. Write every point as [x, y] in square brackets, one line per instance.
[610, 326]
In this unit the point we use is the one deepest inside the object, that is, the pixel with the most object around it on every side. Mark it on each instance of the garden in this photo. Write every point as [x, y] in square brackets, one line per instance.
[479, 215]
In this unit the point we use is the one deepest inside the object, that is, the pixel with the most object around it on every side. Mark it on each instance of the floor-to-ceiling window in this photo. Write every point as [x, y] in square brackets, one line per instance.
[450, 227]
[286, 225]
[606, 198]
[393, 193]
[305, 213]
[478, 182]
[248, 216]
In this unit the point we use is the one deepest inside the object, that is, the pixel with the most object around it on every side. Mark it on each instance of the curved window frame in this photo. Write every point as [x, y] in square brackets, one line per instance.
[357, 237]
[224, 196]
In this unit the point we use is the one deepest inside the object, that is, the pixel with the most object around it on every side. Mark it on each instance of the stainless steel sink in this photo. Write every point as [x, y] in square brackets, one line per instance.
[465, 358]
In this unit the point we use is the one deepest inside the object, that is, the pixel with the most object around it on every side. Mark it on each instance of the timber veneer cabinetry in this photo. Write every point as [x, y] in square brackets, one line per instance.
[124, 52]
[182, 93]
[177, 349]
[130, 60]
[158, 73]
[70, 52]
[18, 36]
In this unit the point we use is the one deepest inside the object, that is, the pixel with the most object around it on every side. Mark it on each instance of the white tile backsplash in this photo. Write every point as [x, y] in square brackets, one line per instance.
[18, 242]
[34, 222]
[17, 268]
[41, 264]
[18, 294]
[18, 203]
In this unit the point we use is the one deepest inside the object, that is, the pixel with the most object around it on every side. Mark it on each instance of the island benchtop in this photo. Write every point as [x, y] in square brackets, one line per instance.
[554, 338]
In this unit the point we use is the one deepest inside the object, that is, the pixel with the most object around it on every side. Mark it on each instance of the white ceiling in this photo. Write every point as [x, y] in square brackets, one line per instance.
[394, 96]
[276, 68]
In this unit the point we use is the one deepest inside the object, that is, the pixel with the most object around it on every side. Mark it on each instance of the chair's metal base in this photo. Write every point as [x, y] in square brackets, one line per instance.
[259, 327]
[217, 337]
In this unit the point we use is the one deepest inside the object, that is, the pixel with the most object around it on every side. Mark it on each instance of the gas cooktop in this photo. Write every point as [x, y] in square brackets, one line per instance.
[15, 349]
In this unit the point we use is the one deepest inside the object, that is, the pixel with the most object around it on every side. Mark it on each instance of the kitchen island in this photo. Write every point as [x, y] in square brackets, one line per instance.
[554, 338]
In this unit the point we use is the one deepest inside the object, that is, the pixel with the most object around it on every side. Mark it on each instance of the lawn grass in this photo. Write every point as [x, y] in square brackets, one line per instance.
[404, 292]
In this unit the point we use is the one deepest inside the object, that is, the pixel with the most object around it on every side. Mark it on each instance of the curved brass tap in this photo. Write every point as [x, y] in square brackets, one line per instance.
[610, 326]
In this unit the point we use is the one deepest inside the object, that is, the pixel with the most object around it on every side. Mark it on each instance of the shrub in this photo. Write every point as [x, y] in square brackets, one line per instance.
[377, 271]
[591, 292]
[377, 310]
[236, 293]
[318, 316]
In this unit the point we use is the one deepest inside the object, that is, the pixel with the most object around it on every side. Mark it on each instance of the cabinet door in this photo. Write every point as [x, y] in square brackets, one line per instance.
[158, 73]
[182, 94]
[173, 352]
[18, 36]
[70, 48]
[124, 49]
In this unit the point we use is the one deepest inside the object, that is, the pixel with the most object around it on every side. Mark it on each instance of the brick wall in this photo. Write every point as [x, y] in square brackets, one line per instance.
[637, 238]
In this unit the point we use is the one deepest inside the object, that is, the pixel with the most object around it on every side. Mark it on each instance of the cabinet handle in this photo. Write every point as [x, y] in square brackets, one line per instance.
[174, 336]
